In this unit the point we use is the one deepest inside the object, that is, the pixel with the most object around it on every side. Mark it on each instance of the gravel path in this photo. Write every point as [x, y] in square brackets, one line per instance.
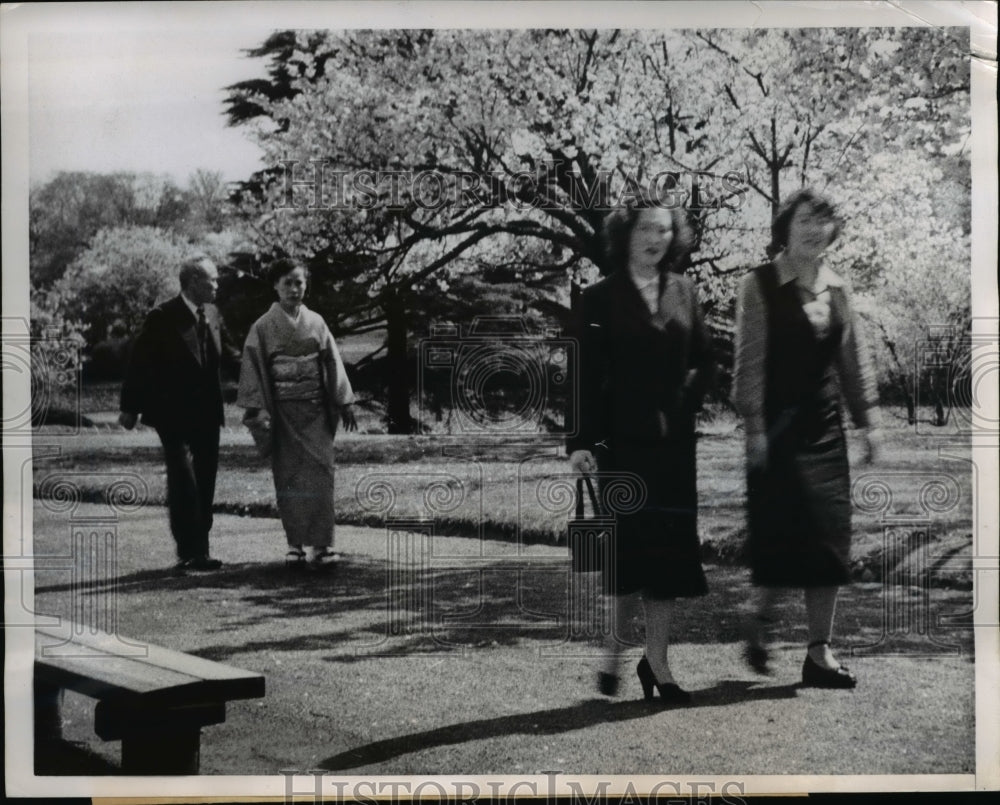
[459, 657]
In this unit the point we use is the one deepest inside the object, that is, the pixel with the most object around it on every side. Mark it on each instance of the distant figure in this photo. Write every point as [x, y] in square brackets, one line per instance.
[173, 382]
[797, 348]
[645, 361]
[296, 392]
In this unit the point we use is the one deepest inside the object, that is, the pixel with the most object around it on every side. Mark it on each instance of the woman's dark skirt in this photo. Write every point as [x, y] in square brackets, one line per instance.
[656, 547]
[800, 516]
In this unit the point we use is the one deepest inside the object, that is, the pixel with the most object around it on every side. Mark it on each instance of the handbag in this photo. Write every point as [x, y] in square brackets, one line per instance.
[590, 538]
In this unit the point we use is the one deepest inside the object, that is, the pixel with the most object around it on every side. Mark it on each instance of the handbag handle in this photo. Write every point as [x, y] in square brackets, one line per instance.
[593, 497]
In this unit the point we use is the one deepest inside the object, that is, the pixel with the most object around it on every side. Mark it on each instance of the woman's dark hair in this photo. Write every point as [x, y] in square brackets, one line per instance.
[282, 266]
[783, 220]
[618, 226]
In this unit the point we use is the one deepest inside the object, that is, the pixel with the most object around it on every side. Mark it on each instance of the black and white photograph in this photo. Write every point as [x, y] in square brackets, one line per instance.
[503, 399]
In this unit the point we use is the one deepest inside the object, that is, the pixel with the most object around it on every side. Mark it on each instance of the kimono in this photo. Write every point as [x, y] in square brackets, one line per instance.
[292, 369]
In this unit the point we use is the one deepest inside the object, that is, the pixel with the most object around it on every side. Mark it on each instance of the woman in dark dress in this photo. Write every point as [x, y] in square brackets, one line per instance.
[645, 360]
[798, 350]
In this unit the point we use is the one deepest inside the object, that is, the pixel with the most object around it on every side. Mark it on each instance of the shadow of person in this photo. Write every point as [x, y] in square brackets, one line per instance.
[262, 575]
[547, 722]
[731, 691]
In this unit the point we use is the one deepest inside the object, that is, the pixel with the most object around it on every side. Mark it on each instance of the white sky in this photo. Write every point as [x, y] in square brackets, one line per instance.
[138, 100]
[140, 86]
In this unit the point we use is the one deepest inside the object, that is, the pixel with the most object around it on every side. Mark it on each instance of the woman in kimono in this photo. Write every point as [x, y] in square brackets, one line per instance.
[296, 392]
[797, 350]
[645, 362]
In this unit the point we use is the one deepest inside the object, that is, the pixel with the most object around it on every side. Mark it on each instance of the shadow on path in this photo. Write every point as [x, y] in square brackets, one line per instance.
[416, 609]
[546, 722]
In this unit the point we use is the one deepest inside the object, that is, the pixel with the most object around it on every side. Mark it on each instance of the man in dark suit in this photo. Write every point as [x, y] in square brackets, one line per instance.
[174, 383]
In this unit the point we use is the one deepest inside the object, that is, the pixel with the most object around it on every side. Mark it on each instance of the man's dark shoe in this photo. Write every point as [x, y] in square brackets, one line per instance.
[203, 563]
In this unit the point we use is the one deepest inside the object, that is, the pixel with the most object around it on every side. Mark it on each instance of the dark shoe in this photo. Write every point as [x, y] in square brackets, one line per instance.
[816, 676]
[182, 567]
[204, 563]
[757, 658]
[607, 683]
[670, 693]
[295, 559]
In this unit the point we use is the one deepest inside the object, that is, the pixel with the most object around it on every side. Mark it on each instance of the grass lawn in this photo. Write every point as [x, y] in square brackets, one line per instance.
[523, 491]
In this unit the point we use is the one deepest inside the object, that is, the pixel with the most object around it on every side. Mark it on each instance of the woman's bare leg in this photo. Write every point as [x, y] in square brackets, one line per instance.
[757, 626]
[623, 608]
[821, 604]
[658, 614]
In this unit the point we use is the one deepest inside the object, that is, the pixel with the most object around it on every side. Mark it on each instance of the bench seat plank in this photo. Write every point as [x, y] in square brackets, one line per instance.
[155, 700]
[161, 678]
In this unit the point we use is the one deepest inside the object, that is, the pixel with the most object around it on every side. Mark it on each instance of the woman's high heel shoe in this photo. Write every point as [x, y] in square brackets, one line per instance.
[670, 693]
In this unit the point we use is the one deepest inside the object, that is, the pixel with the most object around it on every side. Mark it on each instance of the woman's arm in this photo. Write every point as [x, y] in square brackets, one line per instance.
[857, 375]
[253, 392]
[750, 352]
[337, 386]
[857, 379]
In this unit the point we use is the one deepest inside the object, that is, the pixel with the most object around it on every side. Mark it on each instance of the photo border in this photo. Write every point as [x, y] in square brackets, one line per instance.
[20, 21]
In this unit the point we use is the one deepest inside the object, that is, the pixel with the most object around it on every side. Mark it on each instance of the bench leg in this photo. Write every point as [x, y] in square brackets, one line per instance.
[48, 716]
[170, 752]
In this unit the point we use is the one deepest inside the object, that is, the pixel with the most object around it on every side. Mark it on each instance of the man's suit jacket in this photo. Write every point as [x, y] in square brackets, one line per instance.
[166, 383]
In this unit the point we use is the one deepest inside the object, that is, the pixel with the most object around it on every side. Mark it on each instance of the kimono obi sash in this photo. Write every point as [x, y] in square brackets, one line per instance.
[297, 377]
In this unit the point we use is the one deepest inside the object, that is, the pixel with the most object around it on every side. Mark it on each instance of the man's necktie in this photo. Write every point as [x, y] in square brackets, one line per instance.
[202, 336]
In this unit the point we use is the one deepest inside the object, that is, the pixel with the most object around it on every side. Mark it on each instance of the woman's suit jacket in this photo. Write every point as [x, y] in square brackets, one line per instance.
[639, 383]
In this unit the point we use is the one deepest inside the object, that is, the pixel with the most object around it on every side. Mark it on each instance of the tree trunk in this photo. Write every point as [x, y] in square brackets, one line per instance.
[575, 293]
[899, 376]
[908, 398]
[775, 167]
[398, 392]
[936, 384]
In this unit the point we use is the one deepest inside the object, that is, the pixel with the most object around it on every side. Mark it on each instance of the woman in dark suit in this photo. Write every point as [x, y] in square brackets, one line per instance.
[645, 360]
[797, 349]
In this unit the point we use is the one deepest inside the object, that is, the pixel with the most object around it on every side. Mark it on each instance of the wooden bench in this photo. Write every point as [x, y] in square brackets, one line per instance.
[154, 700]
